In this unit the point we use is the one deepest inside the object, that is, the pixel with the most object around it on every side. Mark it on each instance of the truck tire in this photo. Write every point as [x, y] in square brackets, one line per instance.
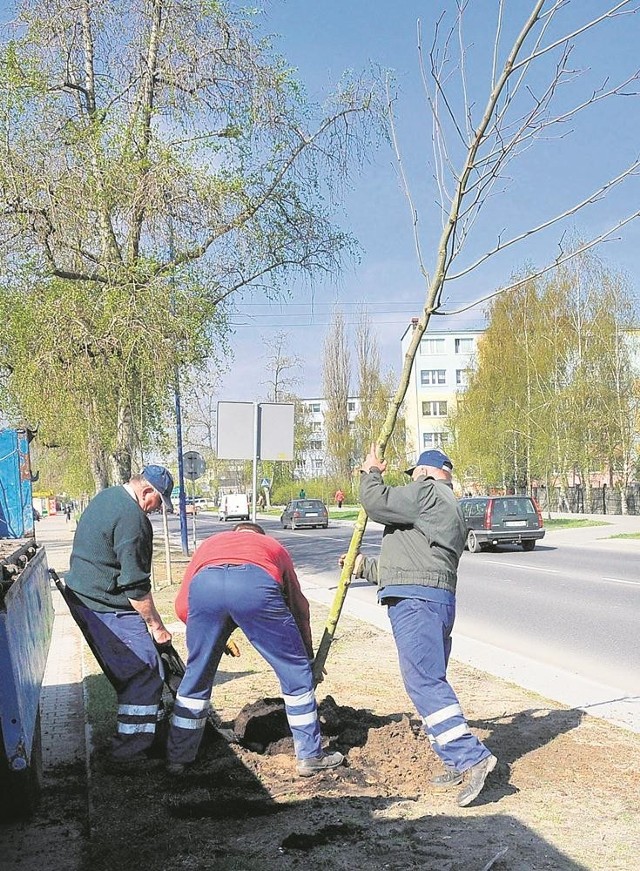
[20, 790]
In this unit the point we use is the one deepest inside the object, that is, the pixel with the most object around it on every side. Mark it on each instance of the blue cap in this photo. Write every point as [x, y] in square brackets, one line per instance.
[161, 480]
[436, 458]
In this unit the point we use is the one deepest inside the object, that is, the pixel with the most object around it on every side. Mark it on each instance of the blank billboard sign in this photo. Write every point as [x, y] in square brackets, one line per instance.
[235, 430]
[276, 431]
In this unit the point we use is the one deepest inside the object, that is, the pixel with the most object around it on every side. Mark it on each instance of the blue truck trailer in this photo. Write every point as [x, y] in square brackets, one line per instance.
[26, 622]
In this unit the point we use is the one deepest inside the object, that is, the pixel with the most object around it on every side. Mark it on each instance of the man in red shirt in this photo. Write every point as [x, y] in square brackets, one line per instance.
[246, 578]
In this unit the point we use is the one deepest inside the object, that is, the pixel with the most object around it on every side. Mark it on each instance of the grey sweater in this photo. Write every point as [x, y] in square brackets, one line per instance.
[424, 532]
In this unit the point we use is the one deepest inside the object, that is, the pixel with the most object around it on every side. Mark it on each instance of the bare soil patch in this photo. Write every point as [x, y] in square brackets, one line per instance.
[564, 795]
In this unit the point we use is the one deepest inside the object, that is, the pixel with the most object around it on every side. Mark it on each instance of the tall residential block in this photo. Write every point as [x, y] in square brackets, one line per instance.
[439, 375]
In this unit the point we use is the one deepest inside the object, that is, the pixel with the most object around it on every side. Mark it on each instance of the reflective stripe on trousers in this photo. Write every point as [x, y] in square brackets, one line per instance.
[126, 653]
[245, 596]
[422, 632]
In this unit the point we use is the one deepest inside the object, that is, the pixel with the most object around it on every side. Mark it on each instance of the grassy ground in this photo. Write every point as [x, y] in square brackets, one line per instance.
[572, 523]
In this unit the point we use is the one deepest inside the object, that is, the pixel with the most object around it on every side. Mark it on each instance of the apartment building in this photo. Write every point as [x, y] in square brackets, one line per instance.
[313, 462]
[439, 375]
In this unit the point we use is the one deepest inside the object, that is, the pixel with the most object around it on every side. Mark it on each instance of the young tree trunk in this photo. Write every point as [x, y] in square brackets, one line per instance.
[487, 137]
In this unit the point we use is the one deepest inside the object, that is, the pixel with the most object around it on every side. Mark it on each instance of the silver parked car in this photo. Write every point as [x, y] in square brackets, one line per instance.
[305, 512]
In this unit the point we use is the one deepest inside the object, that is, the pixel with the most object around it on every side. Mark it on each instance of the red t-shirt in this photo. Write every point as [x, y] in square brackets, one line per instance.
[246, 546]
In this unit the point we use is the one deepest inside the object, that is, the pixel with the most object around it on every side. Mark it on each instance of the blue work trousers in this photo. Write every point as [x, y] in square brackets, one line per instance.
[247, 596]
[422, 632]
[125, 651]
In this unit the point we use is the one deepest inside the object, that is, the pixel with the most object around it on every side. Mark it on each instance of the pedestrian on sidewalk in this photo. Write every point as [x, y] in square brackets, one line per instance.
[108, 589]
[246, 578]
[339, 497]
[416, 574]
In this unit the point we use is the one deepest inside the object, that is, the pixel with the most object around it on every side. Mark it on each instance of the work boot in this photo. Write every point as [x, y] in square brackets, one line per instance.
[449, 777]
[317, 764]
[477, 776]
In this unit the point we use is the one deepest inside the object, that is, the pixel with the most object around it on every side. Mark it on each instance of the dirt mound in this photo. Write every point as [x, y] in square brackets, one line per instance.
[392, 752]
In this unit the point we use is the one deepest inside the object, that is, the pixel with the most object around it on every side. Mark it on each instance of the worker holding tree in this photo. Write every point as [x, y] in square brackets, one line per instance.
[246, 578]
[416, 574]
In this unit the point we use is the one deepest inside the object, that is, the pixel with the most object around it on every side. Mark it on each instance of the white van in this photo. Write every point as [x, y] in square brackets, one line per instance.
[234, 505]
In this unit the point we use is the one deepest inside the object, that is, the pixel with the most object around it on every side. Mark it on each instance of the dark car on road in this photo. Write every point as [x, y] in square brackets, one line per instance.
[305, 512]
[493, 520]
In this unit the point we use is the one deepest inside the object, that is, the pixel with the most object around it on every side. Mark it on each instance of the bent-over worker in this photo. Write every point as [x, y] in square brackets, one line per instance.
[246, 578]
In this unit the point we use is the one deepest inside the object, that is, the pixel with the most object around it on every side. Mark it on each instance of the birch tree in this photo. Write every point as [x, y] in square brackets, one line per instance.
[532, 94]
[156, 156]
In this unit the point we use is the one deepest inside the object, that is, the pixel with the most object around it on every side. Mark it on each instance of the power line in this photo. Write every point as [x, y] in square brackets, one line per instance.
[307, 324]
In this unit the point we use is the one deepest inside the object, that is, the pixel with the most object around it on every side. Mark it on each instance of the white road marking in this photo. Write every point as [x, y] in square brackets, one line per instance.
[300, 534]
[554, 572]
[622, 581]
[528, 567]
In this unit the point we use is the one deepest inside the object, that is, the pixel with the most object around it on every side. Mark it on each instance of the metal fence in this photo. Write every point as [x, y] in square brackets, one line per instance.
[600, 500]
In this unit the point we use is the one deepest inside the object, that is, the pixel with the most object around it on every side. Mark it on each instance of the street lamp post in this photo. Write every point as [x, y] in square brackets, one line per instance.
[182, 502]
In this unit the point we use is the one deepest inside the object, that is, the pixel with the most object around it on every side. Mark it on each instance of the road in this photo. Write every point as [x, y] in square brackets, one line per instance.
[561, 620]
[566, 606]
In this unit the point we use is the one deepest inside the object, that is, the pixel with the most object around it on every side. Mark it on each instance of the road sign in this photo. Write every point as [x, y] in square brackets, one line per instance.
[194, 465]
[265, 482]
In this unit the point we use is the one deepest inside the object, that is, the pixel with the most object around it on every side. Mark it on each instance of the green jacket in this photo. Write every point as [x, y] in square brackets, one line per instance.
[111, 553]
[424, 532]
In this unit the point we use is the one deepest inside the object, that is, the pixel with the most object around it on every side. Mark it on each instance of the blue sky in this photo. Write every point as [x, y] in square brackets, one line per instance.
[323, 39]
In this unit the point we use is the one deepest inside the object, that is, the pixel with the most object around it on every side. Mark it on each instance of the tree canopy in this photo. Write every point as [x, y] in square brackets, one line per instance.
[554, 395]
[157, 157]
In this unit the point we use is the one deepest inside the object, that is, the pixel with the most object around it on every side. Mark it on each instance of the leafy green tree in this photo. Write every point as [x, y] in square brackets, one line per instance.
[155, 158]
[560, 400]
[336, 386]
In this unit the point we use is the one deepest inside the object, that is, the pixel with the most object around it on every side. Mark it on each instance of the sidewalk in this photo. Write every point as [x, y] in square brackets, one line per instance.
[62, 704]
[615, 524]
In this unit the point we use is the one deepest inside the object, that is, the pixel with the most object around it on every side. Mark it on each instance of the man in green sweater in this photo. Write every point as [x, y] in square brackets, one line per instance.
[109, 594]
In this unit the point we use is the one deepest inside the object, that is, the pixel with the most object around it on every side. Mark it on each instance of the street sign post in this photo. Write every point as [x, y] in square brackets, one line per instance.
[194, 468]
[255, 431]
[194, 465]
